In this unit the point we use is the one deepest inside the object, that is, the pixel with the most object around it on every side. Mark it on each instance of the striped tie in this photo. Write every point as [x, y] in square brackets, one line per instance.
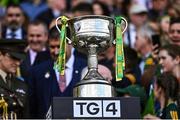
[62, 82]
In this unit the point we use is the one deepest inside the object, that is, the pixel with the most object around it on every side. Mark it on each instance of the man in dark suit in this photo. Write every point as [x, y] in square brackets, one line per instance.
[45, 82]
[37, 50]
[14, 23]
[12, 91]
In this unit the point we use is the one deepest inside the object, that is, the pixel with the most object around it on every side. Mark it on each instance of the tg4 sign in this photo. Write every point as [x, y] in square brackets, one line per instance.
[96, 108]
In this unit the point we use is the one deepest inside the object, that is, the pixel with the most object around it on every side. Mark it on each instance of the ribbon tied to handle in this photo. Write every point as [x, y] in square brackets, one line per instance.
[61, 60]
[120, 64]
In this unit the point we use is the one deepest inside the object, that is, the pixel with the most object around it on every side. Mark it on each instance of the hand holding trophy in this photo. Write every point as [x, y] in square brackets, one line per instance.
[92, 34]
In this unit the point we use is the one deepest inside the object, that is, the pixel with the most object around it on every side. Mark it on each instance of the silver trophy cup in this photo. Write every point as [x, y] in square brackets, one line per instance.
[92, 34]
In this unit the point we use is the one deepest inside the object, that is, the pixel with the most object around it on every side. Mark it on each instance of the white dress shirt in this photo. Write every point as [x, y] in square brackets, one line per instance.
[142, 63]
[18, 33]
[3, 75]
[33, 55]
[56, 13]
[132, 32]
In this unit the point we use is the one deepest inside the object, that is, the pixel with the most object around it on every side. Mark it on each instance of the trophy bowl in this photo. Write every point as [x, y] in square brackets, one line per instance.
[91, 31]
[91, 34]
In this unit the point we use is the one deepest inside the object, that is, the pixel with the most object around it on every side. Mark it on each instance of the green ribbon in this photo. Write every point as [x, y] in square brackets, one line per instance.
[61, 60]
[120, 64]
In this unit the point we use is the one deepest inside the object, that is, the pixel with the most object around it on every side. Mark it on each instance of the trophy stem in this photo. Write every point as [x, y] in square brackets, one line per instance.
[92, 58]
[93, 65]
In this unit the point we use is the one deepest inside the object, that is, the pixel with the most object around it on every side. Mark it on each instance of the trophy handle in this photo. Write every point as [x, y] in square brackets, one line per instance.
[69, 40]
[126, 24]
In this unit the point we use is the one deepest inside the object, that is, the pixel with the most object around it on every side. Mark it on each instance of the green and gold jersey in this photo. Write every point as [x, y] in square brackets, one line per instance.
[170, 112]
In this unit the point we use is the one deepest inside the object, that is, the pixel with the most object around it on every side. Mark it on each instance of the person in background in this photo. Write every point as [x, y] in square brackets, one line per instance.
[37, 50]
[12, 90]
[166, 89]
[103, 70]
[131, 65]
[164, 28]
[82, 8]
[132, 73]
[169, 59]
[119, 7]
[33, 7]
[138, 18]
[173, 9]
[73, 3]
[14, 26]
[143, 46]
[109, 4]
[158, 9]
[100, 8]
[56, 9]
[174, 31]
[45, 82]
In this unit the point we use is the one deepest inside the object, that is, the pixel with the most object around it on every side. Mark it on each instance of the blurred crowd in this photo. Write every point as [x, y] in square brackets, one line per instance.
[151, 50]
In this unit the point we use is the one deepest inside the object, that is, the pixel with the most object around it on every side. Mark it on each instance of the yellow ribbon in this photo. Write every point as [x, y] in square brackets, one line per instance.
[120, 64]
[61, 60]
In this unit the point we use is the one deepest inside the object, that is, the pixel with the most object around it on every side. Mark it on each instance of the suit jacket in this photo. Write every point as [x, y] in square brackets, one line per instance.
[44, 85]
[4, 29]
[15, 92]
[26, 64]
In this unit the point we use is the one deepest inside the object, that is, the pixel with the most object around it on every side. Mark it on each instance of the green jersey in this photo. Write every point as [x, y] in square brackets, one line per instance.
[170, 112]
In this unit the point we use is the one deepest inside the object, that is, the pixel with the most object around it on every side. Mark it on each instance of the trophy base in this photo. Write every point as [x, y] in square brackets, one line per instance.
[93, 88]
